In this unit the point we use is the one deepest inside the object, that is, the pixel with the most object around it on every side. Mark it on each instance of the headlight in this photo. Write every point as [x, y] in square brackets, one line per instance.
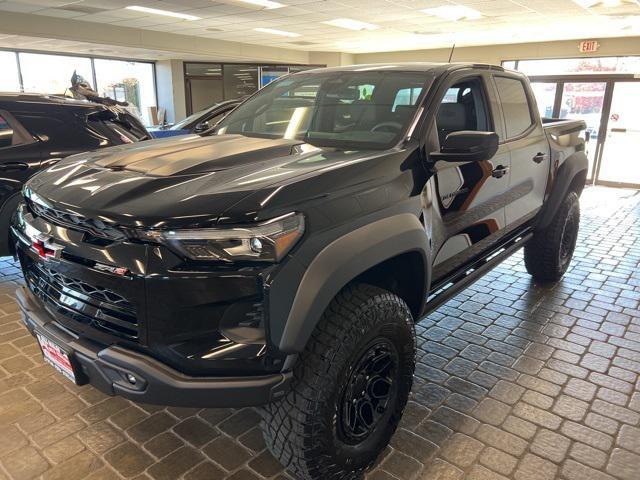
[267, 242]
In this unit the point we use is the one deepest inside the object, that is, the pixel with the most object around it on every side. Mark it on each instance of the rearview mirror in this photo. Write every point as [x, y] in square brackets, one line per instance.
[467, 146]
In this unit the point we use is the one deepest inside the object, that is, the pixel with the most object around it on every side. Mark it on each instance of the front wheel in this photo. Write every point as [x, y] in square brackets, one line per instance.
[350, 387]
[548, 254]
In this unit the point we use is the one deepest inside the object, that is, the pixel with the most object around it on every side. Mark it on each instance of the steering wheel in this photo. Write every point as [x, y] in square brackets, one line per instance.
[394, 127]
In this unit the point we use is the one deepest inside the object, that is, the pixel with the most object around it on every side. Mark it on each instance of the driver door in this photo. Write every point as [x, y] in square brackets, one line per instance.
[470, 197]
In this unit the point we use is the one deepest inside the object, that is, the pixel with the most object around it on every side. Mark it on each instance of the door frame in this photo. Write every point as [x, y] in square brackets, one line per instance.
[610, 80]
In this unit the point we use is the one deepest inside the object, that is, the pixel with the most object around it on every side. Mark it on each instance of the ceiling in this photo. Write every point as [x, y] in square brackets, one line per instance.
[401, 24]
[24, 42]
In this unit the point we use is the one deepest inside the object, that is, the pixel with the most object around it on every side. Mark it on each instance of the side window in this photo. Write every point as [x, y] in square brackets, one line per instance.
[515, 105]
[464, 107]
[6, 132]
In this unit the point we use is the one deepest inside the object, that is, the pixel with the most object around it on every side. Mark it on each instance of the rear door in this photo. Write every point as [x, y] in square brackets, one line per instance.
[471, 195]
[527, 144]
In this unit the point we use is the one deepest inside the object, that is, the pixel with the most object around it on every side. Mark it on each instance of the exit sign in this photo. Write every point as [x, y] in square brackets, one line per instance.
[589, 46]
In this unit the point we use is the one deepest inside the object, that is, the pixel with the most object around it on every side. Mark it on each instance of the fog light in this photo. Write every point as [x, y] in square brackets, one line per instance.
[131, 379]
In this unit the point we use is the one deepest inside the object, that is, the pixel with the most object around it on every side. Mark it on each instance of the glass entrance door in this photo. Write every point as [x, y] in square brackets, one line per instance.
[585, 101]
[545, 93]
[619, 162]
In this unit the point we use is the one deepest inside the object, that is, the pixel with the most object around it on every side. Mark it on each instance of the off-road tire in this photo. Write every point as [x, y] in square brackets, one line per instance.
[303, 429]
[548, 254]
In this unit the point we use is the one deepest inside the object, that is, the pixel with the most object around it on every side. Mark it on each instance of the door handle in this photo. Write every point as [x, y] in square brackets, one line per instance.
[540, 157]
[500, 171]
[13, 166]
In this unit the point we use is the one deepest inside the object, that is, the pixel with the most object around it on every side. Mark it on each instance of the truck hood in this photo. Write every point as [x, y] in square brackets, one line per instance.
[178, 182]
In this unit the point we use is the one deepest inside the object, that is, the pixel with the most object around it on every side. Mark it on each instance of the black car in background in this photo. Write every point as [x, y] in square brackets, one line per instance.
[201, 121]
[37, 130]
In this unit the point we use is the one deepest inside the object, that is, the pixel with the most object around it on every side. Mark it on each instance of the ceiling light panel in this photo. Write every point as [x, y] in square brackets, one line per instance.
[351, 24]
[453, 13]
[268, 4]
[273, 31]
[164, 13]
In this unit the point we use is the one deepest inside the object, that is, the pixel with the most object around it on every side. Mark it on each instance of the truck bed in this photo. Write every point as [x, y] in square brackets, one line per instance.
[565, 135]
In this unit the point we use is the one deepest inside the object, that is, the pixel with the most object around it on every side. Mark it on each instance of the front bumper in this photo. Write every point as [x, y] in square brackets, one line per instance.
[106, 368]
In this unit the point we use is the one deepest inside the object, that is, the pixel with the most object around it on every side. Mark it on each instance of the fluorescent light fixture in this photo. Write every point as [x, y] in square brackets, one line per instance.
[268, 4]
[453, 13]
[273, 31]
[351, 24]
[164, 13]
[597, 3]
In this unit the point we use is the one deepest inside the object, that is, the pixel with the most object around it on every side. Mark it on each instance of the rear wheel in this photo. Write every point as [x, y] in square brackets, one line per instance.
[350, 387]
[548, 255]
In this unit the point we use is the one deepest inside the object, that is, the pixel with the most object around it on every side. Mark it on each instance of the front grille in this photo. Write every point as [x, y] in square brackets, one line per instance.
[94, 227]
[90, 305]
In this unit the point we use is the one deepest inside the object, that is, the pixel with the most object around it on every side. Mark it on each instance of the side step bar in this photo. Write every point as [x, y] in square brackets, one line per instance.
[453, 284]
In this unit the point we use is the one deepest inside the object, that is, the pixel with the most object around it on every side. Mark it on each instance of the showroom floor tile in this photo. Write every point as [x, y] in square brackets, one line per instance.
[513, 381]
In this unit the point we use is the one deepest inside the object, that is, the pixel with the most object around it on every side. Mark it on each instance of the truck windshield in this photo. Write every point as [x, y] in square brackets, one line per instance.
[349, 110]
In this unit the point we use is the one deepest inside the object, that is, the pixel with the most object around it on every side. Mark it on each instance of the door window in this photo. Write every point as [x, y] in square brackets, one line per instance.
[463, 108]
[7, 135]
[515, 105]
[12, 132]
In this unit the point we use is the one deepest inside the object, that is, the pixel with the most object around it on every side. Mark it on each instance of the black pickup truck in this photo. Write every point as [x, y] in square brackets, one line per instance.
[281, 260]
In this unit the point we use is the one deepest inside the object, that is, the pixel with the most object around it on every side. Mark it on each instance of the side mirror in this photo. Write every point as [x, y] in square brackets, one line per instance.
[201, 127]
[467, 146]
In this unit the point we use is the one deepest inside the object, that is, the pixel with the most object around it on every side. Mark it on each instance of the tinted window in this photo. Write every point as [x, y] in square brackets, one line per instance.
[463, 108]
[6, 133]
[515, 105]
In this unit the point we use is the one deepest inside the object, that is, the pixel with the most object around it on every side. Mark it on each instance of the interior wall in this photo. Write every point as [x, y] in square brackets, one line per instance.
[170, 87]
[331, 59]
[178, 46]
[494, 54]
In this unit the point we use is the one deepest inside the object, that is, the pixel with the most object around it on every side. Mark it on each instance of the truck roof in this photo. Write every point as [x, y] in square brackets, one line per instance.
[409, 67]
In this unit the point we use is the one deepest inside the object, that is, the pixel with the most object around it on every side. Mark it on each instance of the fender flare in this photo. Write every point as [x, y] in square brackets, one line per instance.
[573, 166]
[345, 259]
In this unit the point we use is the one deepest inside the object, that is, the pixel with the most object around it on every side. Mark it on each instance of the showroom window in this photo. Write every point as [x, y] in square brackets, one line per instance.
[209, 83]
[239, 81]
[587, 65]
[9, 77]
[515, 105]
[130, 82]
[52, 73]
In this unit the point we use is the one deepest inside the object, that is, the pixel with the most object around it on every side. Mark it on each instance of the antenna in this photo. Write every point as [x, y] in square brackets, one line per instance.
[451, 54]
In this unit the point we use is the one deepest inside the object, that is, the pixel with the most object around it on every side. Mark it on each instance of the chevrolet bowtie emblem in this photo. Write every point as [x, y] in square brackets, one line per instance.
[46, 247]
